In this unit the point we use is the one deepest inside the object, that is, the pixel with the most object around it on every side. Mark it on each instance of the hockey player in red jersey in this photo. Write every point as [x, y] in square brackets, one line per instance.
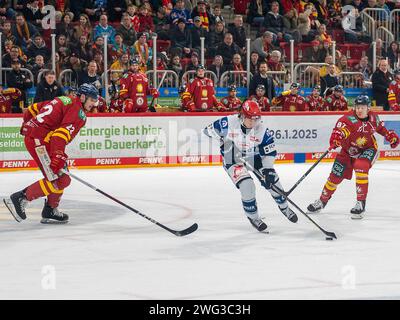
[48, 127]
[8, 98]
[259, 97]
[200, 93]
[336, 101]
[314, 101]
[231, 102]
[134, 88]
[354, 133]
[290, 100]
[394, 92]
[100, 107]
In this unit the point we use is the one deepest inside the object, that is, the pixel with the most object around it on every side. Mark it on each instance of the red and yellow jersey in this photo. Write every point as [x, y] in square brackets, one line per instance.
[230, 104]
[359, 134]
[200, 95]
[263, 102]
[135, 86]
[58, 120]
[290, 102]
[116, 105]
[394, 95]
[8, 97]
[333, 103]
[315, 103]
[101, 107]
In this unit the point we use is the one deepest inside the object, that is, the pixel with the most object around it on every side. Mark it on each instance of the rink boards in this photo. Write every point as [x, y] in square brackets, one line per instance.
[143, 140]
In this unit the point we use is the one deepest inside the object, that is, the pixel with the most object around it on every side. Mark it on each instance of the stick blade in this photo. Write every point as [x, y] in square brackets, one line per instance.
[330, 234]
[187, 231]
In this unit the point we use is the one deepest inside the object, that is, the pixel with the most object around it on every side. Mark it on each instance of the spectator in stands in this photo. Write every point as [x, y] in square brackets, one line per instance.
[117, 49]
[264, 45]
[329, 81]
[236, 65]
[325, 50]
[274, 61]
[392, 54]
[359, 5]
[83, 28]
[308, 34]
[262, 78]
[194, 62]
[228, 48]
[206, 18]
[238, 32]
[121, 64]
[335, 13]
[19, 79]
[38, 46]
[291, 22]
[179, 12]
[127, 31]
[6, 10]
[380, 51]
[322, 35]
[323, 71]
[216, 37]
[48, 88]
[176, 66]
[90, 75]
[100, 8]
[82, 6]
[36, 67]
[218, 67]
[7, 34]
[83, 49]
[143, 51]
[197, 32]
[256, 12]
[381, 79]
[254, 60]
[23, 31]
[145, 20]
[33, 14]
[98, 44]
[104, 29]
[181, 39]
[322, 10]
[14, 54]
[132, 13]
[76, 65]
[357, 33]
[115, 9]
[59, 64]
[61, 45]
[365, 68]
[218, 14]
[162, 26]
[313, 53]
[98, 57]
[273, 22]
[66, 27]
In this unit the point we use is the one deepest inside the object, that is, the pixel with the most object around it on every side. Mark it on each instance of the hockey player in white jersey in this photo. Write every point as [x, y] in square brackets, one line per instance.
[244, 136]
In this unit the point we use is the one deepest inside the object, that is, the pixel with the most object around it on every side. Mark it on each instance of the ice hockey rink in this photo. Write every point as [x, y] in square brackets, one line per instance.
[108, 252]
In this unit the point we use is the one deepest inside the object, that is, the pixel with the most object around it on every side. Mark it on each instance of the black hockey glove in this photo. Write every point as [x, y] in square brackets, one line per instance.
[270, 177]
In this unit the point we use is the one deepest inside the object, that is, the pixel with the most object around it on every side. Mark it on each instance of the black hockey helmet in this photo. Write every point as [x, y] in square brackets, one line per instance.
[317, 87]
[134, 61]
[232, 87]
[295, 85]
[200, 66]
[181, 89]
[338, 88]
[362, 100]
[260, 87]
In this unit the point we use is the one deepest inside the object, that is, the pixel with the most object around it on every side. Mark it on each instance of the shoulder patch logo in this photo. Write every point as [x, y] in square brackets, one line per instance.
[82, 115]
[353, 119]
[65, 100]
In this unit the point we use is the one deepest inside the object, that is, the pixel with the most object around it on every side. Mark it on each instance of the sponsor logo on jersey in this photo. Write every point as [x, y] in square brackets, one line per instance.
[139, 101]
[353, 119]
[361, 141]
[65, 100]
[204, 93]
[338, 169]
[139, 88]
[82, 115]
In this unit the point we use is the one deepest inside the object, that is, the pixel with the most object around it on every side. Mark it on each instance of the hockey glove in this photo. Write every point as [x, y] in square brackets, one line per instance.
[191, 106]
[336, 139]
[392, 138]
[395, 107]
[270, 178]
[58, 160]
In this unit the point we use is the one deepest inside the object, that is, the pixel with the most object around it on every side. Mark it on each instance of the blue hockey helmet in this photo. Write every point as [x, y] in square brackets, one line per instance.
[88, 90]
[338, 88]
[362, 100]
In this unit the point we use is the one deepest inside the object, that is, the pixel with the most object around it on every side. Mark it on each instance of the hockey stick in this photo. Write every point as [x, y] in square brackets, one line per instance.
[181, 233]
[151, 107]
[282, 193]
[307, 173]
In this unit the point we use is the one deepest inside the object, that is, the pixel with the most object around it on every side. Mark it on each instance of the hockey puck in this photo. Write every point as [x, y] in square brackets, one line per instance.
[327, 238]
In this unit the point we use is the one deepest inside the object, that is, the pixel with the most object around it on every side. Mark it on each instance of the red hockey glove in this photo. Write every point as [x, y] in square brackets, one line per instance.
[392, 138]
[58, 160]
[395, 107]
[336, 139]
[191, 106]
[154, 92]
[221, 107]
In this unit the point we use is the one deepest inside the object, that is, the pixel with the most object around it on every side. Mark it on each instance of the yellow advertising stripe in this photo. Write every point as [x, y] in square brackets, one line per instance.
[63, 130]
[361, 181]
[60, 135]
[43, 187]
[52, 189]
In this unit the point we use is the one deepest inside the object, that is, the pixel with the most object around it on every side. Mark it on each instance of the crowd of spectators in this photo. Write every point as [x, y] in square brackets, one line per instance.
[130, 24]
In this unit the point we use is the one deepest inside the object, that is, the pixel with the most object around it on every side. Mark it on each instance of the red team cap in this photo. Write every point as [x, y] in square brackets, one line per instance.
[250, 109]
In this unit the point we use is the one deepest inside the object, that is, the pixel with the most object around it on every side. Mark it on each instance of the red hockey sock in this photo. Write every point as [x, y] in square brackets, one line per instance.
[53, 199]
[37, 190]
[330, 187]
[361, 167]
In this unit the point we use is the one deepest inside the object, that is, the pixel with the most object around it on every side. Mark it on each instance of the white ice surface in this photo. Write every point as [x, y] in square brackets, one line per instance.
[108, 252]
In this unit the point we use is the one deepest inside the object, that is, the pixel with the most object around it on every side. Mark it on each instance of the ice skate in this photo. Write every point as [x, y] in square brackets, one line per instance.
[258, 224]
[16, 204]
[358, 210]
[316, 206]
[53, 215]
[292, 217]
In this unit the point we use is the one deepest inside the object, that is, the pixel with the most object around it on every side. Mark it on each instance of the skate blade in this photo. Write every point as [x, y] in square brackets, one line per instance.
[355, 216]
[51, 221]
[11, 208]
